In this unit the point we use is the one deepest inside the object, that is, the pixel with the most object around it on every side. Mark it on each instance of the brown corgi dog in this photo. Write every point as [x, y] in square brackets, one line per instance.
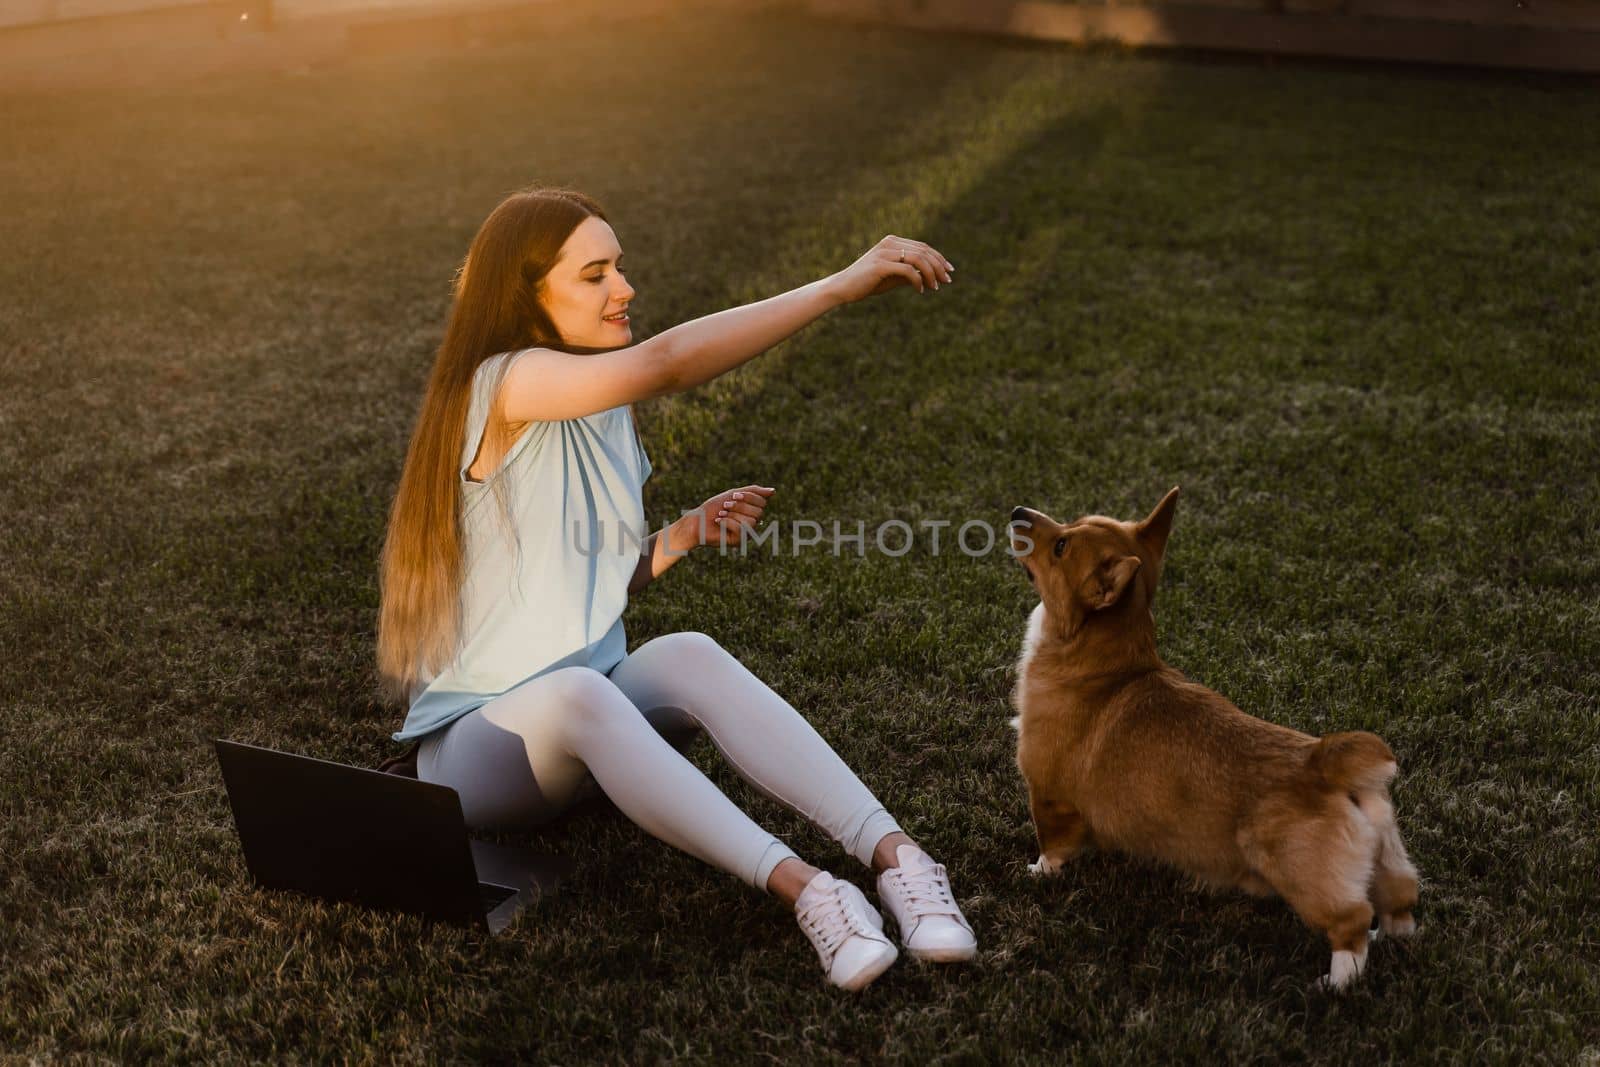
[1123, 752]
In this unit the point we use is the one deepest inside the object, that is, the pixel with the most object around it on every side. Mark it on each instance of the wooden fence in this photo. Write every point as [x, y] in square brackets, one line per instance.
[1555, 35]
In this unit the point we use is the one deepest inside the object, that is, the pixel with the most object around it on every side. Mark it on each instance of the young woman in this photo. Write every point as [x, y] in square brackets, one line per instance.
[507, 565]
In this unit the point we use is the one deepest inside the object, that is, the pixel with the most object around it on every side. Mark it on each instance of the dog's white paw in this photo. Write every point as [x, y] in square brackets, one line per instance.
[1016, 723]
[1345, 968]
[1404, 927]
[1044, 867]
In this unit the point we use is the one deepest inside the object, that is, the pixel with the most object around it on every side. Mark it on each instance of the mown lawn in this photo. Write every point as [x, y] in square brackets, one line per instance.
[1352, 311]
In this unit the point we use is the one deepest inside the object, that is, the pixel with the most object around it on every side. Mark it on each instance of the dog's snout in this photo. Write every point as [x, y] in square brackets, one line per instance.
[1019, 514]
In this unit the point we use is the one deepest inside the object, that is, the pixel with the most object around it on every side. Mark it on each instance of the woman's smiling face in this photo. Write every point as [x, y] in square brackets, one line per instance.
[585, 293]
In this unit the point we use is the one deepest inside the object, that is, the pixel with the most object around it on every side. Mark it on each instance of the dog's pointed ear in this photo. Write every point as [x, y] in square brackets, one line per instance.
[1114, 576]
[1157, 526]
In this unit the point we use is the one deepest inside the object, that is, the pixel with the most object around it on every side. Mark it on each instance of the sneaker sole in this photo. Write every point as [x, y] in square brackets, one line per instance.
[944, 955]
[866, 977]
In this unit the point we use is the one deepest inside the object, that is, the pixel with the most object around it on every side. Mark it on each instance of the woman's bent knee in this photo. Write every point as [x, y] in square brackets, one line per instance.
[529, 708]
[551, 703]
[588, 704]
[577, 687]
[687, 645]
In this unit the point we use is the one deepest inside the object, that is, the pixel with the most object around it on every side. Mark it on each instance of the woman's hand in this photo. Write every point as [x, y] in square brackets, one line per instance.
[724, 519]
[892, 262]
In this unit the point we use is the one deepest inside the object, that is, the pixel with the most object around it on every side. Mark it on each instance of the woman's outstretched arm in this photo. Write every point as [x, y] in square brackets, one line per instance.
[547, 385]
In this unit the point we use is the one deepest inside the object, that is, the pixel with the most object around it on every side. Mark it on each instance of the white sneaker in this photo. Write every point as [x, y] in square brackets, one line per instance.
[846, 930]
[917, 893]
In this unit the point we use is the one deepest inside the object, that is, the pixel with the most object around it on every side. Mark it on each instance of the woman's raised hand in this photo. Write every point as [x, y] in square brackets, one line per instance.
[892, 262]
[725, 518]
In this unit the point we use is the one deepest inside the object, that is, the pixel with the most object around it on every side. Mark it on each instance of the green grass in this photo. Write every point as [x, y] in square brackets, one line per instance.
[1352, 311]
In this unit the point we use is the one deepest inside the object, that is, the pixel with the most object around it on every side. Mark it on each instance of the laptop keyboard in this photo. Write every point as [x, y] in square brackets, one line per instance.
[492, 896]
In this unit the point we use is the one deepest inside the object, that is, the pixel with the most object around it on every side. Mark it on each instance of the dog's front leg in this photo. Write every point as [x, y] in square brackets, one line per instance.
[1061, 831]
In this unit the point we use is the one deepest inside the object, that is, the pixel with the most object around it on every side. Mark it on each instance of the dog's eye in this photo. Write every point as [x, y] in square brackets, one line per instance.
[1061, 546]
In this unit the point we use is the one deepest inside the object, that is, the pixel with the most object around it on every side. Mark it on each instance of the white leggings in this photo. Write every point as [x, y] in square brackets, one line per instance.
[522, 757]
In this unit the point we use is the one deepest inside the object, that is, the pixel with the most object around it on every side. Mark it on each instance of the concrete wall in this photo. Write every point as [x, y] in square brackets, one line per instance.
[39, 12]
[1556, 35]
[47, 43]
[294, 10]
[110, 43]
[34, 12]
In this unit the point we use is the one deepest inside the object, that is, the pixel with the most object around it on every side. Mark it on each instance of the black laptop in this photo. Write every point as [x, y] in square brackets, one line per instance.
[349, 833]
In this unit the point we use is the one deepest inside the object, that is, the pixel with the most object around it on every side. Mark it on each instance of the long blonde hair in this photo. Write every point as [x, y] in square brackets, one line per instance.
[495, 309]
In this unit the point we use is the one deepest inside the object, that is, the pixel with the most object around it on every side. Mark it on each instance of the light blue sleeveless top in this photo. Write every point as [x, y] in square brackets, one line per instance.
[546, 589]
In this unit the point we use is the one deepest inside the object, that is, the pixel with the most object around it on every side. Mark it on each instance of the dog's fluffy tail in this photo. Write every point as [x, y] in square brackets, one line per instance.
[1356, 761]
